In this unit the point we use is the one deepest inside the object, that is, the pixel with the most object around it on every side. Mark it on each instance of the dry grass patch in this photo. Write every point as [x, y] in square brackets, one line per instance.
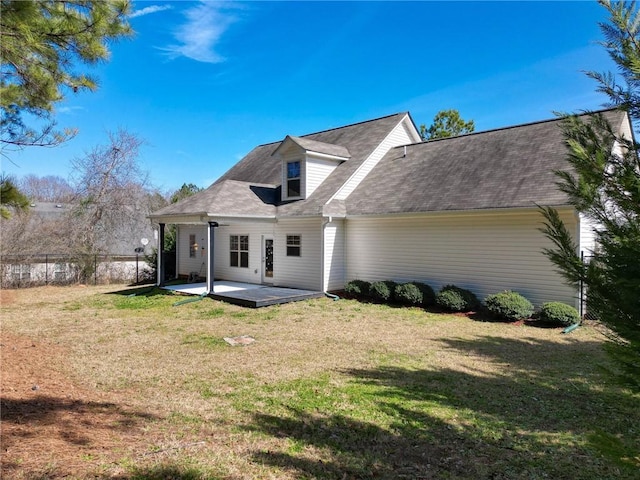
[328, 390]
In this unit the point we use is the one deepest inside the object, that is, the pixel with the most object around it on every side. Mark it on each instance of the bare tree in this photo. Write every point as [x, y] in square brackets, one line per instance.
[110, 187]
[50, 188]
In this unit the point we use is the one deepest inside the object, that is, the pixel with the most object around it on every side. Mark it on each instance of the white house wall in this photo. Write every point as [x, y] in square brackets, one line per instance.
[295, 272]
[185, 263]
[303, 271]
[484, 252]
[223, 269]
[317, 170]
[334, 250]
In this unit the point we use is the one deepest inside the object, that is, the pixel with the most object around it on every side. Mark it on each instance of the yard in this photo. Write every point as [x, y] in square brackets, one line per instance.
[100, 384]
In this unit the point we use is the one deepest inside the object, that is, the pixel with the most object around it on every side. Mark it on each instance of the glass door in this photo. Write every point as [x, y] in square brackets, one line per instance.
[267, 260]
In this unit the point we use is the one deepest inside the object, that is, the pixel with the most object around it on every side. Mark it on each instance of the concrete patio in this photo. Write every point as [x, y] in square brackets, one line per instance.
[247, 294]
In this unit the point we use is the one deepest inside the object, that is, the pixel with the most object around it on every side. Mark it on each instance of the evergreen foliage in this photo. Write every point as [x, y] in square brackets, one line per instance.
[557, 313]
[604, 186]
[408, 294]
[357, 288]
[456, 299]
[446, 123]
[10, 197]
[428, 295]
[383, 290]
[43, 42]
[508, 305]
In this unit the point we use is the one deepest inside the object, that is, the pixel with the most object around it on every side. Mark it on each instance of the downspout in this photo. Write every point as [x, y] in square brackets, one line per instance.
[326, 222]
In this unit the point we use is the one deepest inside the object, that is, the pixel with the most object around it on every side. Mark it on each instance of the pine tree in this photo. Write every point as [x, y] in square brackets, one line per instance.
[446, 123]
[42, 43]
[11, 198]
[605, 187]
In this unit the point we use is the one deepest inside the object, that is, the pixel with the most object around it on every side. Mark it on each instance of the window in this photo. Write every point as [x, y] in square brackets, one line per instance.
[293, 245]
[193, 246]
[239, 251]
[21, 272]
[293, 179]
[60, 271]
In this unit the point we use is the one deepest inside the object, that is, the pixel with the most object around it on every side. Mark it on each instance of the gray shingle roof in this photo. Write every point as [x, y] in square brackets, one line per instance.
[319, 147]
[232, 195]
[228, 198]
[506, 168]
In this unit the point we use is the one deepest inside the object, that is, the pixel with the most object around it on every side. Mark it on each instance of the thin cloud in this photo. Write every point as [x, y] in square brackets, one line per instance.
[70, 110]
[149, 10]
[199, 36]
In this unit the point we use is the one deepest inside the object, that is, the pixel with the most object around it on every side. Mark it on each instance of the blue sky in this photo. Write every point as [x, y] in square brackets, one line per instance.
[205, 82]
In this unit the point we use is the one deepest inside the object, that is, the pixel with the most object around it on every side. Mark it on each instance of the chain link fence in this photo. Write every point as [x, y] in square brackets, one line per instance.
[20, 271]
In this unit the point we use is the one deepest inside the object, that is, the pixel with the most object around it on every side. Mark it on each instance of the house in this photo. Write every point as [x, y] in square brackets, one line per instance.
[371, 201]
[33, 251]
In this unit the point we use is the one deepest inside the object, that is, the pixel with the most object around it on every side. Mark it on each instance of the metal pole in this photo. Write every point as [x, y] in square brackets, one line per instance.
[581, 287]
[161, 266]
[46, 269]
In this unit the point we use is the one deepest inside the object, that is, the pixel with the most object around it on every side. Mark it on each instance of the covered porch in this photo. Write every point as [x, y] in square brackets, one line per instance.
[246, 294]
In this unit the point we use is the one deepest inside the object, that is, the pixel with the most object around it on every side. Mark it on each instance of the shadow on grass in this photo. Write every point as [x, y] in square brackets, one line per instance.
[78, 423]
[44, 410]
[143, 291]
[545, 412]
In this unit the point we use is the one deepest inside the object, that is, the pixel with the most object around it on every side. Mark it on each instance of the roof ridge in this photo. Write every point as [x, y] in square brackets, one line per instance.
[356, 124]
[519, 125]
[335, 128]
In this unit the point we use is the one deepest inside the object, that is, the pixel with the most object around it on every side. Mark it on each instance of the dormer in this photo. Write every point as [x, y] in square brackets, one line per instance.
[306, 164]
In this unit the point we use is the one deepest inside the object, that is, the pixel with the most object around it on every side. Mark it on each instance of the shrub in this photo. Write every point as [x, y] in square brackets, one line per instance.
[558, 313]
[357, 288]
[428, 295]
[456, 299]
[509, 305]
[382, 291]
[408, 294]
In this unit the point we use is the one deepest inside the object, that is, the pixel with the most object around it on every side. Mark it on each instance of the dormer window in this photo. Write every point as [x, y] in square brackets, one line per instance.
[293, 179]
[306, 163]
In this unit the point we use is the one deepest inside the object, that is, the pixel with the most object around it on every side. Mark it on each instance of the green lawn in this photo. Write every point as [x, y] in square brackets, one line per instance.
[334, 390]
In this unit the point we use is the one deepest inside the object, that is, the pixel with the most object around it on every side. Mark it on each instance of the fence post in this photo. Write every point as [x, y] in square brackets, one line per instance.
[581, 287]
[95, 268]
[46, 269]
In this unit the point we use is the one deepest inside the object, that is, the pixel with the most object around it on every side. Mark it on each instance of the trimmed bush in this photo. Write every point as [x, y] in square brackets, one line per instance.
[382, 291]
[558, 313]
[408, 294]
[357, 288]
[509, 306]
[456, 299]
[428, 295]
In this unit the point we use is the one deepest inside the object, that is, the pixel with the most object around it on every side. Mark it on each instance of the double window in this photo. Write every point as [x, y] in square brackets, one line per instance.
[294, 245]
[293, 179]
[239, 251]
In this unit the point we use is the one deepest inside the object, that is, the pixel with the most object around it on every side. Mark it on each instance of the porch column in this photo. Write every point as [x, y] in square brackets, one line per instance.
[210, 255]
[161, 266]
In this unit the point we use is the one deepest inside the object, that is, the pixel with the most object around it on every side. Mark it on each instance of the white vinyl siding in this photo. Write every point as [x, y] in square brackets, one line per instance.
[317, 170]
[484, 252]
[222, 259]
[334, 249]
[398, 136]
[303, 271]
[587, 237]
[186, 263]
